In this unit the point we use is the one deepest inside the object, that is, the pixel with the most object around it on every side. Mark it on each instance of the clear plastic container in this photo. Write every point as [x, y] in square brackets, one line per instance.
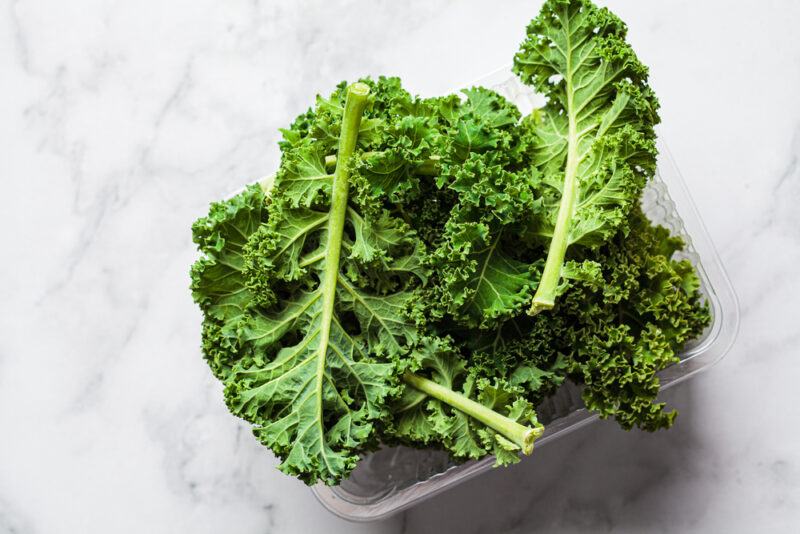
[393, 479]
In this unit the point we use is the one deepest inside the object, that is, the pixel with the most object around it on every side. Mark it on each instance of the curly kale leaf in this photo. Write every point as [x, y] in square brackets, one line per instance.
[315, 402]
[650, 306]
[481, 280]
[221, 237]
[528, 353]
[217, 279]
[481, 276]
[595, 146]
[293, 327]
[468, 415]
[626, 317]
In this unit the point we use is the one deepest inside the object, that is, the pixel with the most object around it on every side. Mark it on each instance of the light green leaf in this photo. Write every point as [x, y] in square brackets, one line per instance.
[305, 387]
[318, 336]
[303, 178]
[595, 144]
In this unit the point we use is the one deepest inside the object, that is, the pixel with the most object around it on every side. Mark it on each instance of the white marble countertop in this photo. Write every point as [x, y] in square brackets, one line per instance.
[120, 121]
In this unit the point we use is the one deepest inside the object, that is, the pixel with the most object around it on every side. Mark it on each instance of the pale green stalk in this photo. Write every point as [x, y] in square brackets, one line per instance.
[520, 435]
[354, 106]
[545, 296]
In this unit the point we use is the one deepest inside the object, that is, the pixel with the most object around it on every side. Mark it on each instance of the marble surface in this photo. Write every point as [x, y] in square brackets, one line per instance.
[120, 121]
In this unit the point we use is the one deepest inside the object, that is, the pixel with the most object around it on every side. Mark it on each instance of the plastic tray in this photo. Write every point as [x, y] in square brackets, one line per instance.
[393, 479]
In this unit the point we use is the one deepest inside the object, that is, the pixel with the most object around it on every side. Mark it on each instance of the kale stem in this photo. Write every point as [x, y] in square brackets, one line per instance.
[354, 106]
[522, 436]
[545, 296]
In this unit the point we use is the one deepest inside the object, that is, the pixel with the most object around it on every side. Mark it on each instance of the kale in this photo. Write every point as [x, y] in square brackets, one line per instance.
[374, 290]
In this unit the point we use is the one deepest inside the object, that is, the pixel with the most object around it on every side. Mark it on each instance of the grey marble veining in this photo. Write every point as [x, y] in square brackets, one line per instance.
[120, 121]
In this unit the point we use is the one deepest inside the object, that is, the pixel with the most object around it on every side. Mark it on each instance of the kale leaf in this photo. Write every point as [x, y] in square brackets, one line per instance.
[595, 146]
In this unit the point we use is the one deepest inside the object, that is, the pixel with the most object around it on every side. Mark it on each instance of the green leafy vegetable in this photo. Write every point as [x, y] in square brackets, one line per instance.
[375, 289]
[469, 416]
[312, 295]
[649, 307]
[595, 144]
[481, 278]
